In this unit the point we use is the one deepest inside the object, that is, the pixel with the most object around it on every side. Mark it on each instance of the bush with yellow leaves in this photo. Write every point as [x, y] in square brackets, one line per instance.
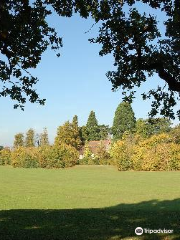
[45, 157]
[60, 156]
[157, 153]
[121, 155]
[5, 156]
[25, 157]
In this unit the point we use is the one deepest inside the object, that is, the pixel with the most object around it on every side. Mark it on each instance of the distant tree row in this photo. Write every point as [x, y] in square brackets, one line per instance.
[31, 139]
[143, 144]
[71, 134]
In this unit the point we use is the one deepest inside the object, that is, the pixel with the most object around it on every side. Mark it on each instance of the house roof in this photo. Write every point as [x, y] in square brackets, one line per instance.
[94, 146]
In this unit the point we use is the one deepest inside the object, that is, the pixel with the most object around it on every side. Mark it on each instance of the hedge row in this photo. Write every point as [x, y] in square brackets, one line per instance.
[157, 153]
[44, 157]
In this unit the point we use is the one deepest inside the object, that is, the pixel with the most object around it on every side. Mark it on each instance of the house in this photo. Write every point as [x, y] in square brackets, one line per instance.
[94, 146]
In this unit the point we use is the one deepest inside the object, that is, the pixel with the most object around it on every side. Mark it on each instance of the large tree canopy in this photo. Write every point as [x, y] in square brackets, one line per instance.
[139, 47]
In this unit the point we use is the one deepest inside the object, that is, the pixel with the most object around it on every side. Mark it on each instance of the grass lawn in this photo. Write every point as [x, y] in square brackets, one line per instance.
[87, 202]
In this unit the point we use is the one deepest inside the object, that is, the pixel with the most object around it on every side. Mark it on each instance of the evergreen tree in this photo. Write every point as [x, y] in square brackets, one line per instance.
[148, 127]
[30, 138]
[18, 140]
[92, 128]
[75, 122]
[124, 120]
[44, 139]
[83, 134]
[76, 133]
[104, 131]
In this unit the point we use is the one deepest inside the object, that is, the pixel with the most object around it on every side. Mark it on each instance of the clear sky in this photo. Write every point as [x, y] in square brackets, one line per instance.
[73, 84]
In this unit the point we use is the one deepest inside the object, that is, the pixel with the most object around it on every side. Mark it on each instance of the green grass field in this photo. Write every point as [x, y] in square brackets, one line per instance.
[87, 202]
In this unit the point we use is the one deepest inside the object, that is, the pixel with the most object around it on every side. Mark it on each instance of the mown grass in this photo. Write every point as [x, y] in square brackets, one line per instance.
[87, 202]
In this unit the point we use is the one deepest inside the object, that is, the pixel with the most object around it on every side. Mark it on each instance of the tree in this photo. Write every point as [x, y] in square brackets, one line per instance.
[30, 138]
[104, 131]
[124, 120]
[149, 127]
[134, 39]
[175, 134]
[44, 139]
[92, 128]
[76, 133]
[69, 134]
[83, 134]
[141, 49]
[18, 140]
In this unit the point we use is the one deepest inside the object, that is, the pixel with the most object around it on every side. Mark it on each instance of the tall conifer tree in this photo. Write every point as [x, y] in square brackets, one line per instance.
[124, 120]
[92, 128]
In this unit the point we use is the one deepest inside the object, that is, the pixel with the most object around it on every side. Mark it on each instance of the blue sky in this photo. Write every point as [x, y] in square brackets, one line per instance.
[73, 84]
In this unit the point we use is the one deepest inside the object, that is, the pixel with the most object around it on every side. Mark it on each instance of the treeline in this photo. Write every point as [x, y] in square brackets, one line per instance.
[143, 144]
[34, 150]
[69, 133]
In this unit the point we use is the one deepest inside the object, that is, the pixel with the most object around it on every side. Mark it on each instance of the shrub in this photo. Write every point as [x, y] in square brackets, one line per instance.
[121, 154]
[5, 156]
[157, 153]
[153, 154]
[165, 157]
[25, 157]
[45, 157]
[59, 156]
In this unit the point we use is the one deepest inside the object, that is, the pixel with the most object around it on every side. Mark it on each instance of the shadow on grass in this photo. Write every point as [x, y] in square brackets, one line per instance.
[118, 222]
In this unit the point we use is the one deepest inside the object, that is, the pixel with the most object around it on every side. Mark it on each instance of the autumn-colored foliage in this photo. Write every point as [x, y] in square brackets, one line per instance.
[157, 153]
[5, 156]
[60, 156]
[25, 157]
[44, 157]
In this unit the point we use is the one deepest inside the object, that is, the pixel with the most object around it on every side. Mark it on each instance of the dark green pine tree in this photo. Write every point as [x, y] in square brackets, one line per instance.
[92, 128]
[124, 120]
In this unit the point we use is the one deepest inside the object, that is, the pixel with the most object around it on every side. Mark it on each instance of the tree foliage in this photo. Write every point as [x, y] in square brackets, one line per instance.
[45, 157]
[30, 138]
[92, 128]
[104, 131]
[124, 120]
[69, 134]
[18, 140]
[44, 139]
[157, 153]
[24, 36]
[140, 48]
[148, 127]
[5, 156]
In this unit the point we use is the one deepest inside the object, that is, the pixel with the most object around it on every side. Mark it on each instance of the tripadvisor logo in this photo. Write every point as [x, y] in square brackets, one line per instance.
[138, 231]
